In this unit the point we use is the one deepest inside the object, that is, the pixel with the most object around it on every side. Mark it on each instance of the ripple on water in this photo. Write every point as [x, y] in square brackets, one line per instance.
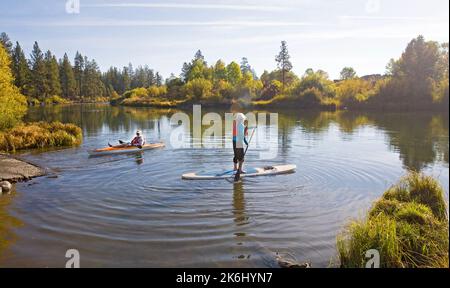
[132, 210]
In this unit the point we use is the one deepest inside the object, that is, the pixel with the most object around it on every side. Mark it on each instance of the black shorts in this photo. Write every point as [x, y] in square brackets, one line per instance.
[238, 153]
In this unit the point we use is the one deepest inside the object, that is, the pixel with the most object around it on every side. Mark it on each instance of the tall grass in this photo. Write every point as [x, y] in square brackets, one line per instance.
[40, 135]
[408, 226]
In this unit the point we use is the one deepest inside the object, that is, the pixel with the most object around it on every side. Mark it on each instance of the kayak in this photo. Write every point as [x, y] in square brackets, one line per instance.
[248, 172]
[123, 150]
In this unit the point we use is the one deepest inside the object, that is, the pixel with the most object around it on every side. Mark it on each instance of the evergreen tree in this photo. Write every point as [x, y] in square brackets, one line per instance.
[78, 70]
[126, 80]
[67, 77]
[6, 42]
[20, 70]
[150, 77]
[52, 74]
[158, 79]
[185, 71]
[245, 66]
[199, 56]
[40, 85]
[283, 62]
[93, 86]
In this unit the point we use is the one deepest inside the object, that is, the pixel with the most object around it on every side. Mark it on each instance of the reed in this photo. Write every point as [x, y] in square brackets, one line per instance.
[408, 226]
[40, 135]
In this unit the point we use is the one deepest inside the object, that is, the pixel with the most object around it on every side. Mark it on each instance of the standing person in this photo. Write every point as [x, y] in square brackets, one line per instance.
[240, 131]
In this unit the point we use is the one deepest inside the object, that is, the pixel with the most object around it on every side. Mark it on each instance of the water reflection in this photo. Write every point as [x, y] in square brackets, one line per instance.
[419, 138]
[7, 223]
[345, 161]
[241, 220]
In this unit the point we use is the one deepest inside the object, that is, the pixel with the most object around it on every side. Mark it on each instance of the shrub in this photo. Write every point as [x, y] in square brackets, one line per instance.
[408, 226]
[198, 89]
[40, 135]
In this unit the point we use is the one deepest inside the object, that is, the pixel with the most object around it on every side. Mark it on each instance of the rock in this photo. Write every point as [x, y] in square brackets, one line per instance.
[5, 186]
[13, 170]
[287, 263]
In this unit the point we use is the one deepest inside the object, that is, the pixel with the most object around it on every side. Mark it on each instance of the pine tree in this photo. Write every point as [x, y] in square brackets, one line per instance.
[245, 66]
[6, 42]
[40, 85]
[283, 62]
[67, 77]
[199, 56]
[126, 80]
[93, 86]
[20, 70]
[52, 74]
[78, 70]
[158, 79]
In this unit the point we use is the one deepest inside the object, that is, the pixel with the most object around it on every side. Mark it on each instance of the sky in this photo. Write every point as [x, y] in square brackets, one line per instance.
[320, 34]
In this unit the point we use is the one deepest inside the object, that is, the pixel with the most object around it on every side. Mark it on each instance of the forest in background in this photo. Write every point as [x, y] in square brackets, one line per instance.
[417, 80]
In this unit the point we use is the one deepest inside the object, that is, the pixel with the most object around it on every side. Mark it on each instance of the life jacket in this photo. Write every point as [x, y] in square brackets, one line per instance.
[136, 140]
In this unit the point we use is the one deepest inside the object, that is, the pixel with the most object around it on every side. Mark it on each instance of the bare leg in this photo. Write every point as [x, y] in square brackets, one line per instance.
[241, 165]
[120, 146]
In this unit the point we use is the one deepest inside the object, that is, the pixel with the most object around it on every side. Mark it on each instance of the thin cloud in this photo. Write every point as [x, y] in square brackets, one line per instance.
[387, 18]
[188, 6]
[124, 23]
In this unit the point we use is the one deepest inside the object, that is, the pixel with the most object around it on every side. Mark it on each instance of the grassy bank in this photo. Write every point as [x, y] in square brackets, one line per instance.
[408, 226]
[40, 135]
[148, 102]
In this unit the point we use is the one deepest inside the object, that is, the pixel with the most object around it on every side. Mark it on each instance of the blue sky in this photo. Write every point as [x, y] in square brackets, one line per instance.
[321, 34]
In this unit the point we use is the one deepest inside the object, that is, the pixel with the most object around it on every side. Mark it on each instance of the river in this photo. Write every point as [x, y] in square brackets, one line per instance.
[136, 211]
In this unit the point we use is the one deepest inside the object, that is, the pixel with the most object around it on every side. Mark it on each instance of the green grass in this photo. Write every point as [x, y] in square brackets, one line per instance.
[40, 135]
[149, 102]
[408, 226]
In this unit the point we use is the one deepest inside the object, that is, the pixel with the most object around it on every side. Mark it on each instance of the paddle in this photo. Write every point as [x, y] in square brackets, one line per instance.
[237, 176]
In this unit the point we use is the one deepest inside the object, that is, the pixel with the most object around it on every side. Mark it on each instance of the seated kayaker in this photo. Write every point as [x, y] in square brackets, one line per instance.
[137, 141]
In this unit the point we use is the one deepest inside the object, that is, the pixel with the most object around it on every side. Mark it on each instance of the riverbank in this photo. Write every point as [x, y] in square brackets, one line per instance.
[275, 103]
[40, 135]
[408, 227]
[16, 170]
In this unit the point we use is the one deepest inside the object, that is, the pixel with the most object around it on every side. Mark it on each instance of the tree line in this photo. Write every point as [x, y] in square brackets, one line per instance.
[416, 80]
[43, 78]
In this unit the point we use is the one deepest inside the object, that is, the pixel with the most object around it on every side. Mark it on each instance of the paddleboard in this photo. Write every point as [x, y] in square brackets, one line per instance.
[123, 150]
[249, 172]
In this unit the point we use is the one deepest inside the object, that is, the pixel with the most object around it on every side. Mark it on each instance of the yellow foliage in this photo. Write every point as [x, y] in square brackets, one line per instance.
[13, 105]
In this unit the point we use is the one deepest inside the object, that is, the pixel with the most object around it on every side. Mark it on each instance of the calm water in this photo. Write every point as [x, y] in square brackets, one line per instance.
[134, 210]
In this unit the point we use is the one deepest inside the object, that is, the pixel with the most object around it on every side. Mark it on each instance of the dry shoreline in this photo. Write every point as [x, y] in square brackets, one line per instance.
[16, 170]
